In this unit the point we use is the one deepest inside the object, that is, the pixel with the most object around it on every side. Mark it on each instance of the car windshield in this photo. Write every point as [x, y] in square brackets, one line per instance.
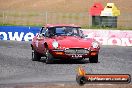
[68, 31]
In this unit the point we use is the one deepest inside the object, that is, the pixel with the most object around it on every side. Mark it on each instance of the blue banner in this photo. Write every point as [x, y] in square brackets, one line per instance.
[18, 33]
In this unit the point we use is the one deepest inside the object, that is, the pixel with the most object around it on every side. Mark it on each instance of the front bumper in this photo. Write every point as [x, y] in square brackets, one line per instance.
[62, 54]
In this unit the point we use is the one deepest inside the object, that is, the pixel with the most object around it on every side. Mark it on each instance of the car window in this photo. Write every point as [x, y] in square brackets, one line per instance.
[42, 30]
[69, 31]
[49, 32]
[60, 31]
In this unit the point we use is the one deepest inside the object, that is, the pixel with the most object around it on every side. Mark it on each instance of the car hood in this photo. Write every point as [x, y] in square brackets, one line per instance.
[73, 42]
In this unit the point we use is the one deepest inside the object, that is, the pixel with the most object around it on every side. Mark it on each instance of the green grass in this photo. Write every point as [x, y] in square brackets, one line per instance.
[83, 27]
[106, 28]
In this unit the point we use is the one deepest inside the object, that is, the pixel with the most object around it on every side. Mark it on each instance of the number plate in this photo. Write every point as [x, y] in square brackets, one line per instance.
[76, 56]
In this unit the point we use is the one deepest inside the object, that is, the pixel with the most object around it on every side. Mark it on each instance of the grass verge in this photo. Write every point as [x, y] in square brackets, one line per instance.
[83, 26]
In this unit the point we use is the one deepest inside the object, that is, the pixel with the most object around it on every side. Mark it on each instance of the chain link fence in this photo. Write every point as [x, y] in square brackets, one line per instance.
[42, 18]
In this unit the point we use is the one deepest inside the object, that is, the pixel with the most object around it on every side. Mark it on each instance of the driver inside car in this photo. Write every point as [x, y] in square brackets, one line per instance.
[75, 32]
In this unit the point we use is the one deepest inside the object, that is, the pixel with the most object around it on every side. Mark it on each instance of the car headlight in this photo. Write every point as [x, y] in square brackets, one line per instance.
[55, 44]
[95, 45]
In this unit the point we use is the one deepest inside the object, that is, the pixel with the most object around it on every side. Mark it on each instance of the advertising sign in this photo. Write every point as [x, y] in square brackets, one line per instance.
[18, 33]
[111, 37]
[105, 37]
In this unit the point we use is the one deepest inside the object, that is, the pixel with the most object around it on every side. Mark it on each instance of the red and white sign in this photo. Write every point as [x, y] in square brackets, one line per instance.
[110, 37]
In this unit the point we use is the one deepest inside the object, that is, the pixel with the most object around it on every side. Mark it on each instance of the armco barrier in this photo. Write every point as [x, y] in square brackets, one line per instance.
[18, 33]
[105, 37]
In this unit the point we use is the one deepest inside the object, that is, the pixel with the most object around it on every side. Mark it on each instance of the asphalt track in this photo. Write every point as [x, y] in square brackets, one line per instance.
[17, 67]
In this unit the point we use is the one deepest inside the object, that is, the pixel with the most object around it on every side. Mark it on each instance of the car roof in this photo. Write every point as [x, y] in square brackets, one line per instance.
[59, 25]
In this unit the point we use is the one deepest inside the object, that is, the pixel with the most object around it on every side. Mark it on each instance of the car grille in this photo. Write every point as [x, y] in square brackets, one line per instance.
[76, 51]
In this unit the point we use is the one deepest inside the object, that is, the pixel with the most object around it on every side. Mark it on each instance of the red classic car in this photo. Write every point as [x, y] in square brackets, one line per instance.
[65, 42]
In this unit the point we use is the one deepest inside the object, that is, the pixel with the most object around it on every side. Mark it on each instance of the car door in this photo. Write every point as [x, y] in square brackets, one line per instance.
[41, 40]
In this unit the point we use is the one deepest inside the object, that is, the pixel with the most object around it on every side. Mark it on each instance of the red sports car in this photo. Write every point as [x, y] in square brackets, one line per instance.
[65, 42]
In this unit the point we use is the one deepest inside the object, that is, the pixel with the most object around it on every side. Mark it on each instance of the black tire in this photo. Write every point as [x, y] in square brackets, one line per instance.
[93, 59]
[49, 57]
[36, 56]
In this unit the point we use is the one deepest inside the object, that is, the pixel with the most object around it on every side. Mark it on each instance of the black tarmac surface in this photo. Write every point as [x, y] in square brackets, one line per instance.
[17, 67]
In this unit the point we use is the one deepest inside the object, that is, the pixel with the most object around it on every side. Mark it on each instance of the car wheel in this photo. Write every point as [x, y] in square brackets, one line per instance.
[35, 56]
[93, 59]
[49, 57]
